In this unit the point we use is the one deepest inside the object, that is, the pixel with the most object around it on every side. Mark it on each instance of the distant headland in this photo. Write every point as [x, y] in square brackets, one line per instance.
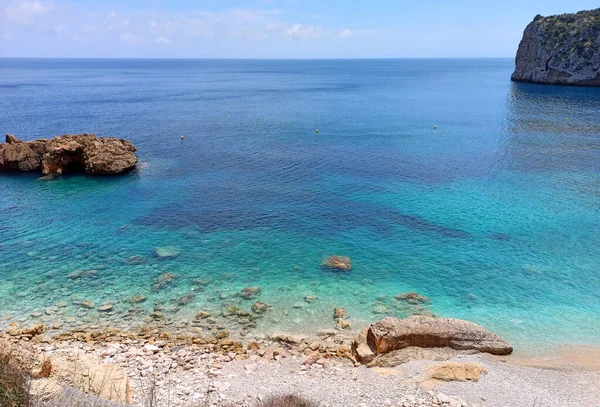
[68, 153]
[561, 50]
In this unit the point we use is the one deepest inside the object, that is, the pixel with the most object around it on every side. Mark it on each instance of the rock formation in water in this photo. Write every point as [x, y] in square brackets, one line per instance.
[562, 50]
[68, 153]
[393, 334]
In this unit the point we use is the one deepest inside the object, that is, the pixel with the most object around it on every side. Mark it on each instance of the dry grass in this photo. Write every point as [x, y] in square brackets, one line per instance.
[286, 401]
[15, 382]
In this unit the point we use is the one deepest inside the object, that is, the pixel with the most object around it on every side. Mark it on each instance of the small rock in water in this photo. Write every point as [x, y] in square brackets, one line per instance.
[89, 304]
[412, 298]
[311, 298]
[298, 305]
[202, 315]
[340, 313]
[340, 263]
[260, 307]
[186, 299]
[136, 299]
[250, 292]
[381, 309]
[61, 304]
[167, 252]
[135, 260]
[202, 281]
[106, 307]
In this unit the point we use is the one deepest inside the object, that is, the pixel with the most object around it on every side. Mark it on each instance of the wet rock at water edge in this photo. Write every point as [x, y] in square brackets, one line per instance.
[249, 293]
[340, 313]
[202, 315]
[338, 263]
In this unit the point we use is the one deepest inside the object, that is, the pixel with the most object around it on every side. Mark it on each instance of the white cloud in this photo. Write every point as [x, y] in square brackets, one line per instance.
[128, 37]
[23, 12]
[346, 34]
[162, 40]
[7, 36]
[302, 32]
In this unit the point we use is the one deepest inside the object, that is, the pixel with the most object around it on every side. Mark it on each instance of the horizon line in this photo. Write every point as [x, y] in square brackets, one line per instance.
[259, 58]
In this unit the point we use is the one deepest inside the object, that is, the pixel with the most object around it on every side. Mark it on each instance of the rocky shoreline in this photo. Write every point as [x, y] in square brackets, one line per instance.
[68, 153]
[159, 355]
[326, 367]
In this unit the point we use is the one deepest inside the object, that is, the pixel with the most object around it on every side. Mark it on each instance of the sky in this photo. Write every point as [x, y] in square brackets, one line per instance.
[270, 28]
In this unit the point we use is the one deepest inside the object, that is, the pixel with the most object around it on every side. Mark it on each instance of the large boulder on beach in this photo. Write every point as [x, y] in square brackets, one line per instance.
[392, 334]
[68, 153]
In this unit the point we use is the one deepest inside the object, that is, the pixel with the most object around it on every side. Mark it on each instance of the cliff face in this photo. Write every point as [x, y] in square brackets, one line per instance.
[562, 49]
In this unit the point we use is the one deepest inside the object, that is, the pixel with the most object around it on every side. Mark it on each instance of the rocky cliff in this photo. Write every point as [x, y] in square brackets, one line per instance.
[562, 49]
[68, 153]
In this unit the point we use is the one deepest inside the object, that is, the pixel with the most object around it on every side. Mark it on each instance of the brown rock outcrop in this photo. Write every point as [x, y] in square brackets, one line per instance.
[68, 153]
[340, 263]
[392, 334]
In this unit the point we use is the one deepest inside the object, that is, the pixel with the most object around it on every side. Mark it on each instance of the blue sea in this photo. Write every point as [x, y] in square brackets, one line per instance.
[436, 176]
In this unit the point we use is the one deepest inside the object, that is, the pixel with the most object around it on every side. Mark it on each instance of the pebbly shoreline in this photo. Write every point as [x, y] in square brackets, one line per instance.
[220, 371]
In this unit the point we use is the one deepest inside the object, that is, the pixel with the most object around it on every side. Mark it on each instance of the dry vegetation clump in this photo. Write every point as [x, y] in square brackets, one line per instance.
[15, 382]
[286, 401]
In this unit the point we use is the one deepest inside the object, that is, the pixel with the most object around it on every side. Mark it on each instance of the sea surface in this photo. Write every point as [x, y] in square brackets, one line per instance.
[439, 177]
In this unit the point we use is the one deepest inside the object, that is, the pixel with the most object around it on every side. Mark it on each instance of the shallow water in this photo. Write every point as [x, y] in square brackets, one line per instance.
[494, 215]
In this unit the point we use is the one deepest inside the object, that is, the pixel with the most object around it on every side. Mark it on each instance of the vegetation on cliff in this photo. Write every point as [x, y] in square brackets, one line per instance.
[561, 49]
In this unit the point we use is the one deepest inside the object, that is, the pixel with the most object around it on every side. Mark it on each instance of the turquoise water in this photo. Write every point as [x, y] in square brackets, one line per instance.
[494, 215]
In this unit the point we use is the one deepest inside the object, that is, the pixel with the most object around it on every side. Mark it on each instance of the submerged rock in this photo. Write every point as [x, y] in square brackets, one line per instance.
[562, 49]
[392, 334]
[340, 263]
[186, 299]
[250, 292]
[260, 307]
[106, 307]
[68, 153]
[136, 299]
[412, 298]
[167, 252]
[89, 304]
[203, 282]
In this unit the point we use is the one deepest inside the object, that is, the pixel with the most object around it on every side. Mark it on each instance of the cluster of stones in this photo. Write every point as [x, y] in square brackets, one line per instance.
[328, 344]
